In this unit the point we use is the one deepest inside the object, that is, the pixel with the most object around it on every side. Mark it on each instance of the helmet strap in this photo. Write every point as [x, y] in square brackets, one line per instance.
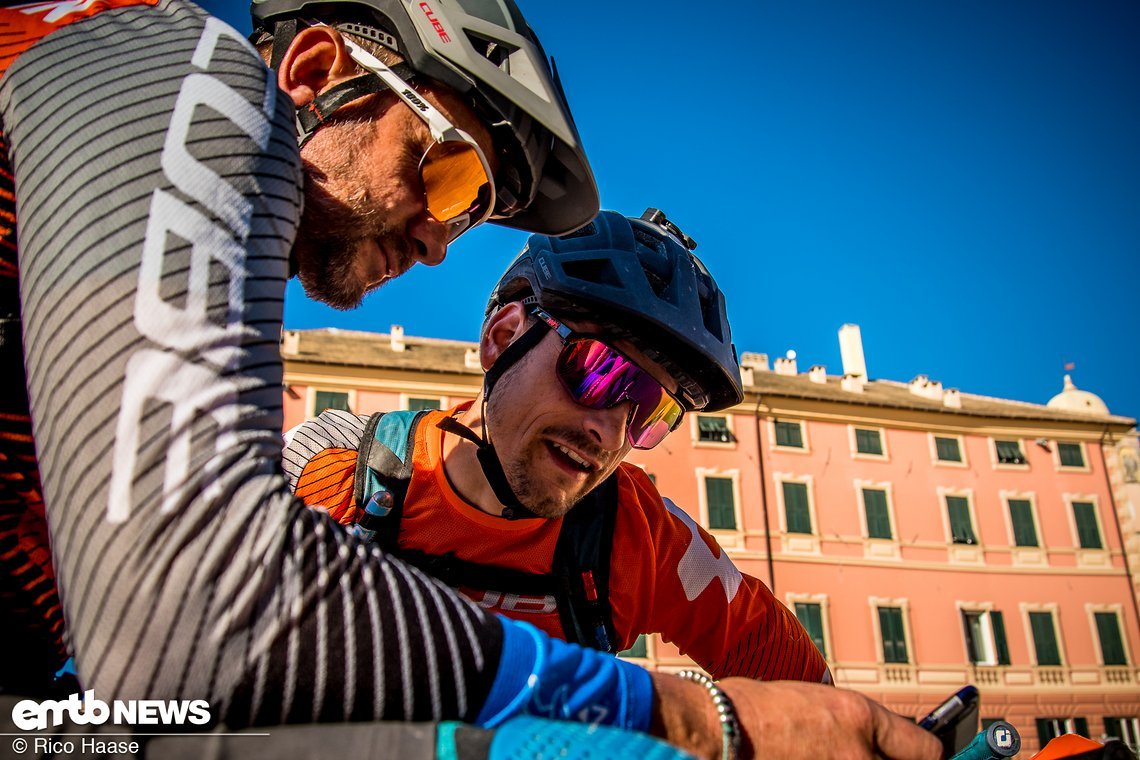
[492, 468]
[488, 458]
[312, 116]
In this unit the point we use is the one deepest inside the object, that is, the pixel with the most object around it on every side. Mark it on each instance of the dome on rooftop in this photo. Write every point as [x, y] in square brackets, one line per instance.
[1073, 399]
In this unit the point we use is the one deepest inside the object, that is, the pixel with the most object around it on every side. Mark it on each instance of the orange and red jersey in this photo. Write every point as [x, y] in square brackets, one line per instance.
[29, 599]
[667, 574]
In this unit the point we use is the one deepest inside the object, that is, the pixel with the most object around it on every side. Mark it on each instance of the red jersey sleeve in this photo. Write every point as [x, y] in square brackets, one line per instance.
[669, 576]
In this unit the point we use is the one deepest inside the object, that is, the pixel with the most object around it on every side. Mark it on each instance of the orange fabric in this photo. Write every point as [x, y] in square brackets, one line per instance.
[667, 575]
[22, 27]
[1067, 745]
[327, 483]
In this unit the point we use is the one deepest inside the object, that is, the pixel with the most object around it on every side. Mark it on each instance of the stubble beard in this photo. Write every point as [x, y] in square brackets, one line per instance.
[332, 228]
[520, 470]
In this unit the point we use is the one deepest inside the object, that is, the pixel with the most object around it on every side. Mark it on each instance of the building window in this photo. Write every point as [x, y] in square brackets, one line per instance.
[1071, 454]
[638, 649]
[961, 526]
[797, 513]
[985, 637]
[894, 637]
[1088, 532]
[947, 449]
[1021, 515]
[421, 404]
[789, 434]
[713, 429]
[1049, 729]
[323, 400]
[878, 517]
[868, 442]
[811, 615]
[1126, 729]
[1009, 452]
[1044, 638]
[1111, 642]
[721, 503]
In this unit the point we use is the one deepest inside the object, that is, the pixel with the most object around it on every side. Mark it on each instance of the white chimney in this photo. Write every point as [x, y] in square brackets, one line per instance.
[818, 374]
[290, 342]
[923, 386]
[471, 359]
[785, 366]
[851, 351]
[852, 383]
[397, 335]
[753, 361]
[747, 376]
[952, 399]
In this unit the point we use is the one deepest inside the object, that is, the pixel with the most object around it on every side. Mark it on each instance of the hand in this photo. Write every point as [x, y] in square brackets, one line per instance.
[788, 719]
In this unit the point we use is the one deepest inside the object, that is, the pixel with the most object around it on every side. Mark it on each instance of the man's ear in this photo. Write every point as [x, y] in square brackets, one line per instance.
[315, 60]
[504, 327]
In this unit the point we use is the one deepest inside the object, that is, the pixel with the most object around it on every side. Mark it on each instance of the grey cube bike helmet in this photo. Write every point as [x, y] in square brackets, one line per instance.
[636, 279]
[484, 50]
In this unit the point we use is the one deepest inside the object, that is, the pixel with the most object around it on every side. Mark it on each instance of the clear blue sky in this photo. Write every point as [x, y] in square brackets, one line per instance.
[961, 179]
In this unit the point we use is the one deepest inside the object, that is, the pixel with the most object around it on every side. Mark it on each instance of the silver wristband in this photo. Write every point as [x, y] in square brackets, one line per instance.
[731, 735]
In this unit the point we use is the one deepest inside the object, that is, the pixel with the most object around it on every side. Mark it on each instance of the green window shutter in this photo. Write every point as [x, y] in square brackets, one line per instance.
[947, 449]
[894, 638]
[420, 404]
[878, 518]
[998, 624]
[796, 510]
[961, 528]
[1111, 643]
[330, 400]
[637, 649]
[868, 441]
[1112, 727]
[811, 615]
[1021, 515]
[789, 434]
[713, 429]
[1081, 727]
[722, 512]
[1071, 455]
[1009, 452]
[1087, 530]
[1044, 638]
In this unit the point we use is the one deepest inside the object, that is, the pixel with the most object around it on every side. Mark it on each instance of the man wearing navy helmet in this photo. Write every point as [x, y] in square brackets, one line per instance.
[593, 343]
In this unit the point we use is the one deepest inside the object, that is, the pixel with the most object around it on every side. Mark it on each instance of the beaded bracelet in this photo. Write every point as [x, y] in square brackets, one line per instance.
[726, 714]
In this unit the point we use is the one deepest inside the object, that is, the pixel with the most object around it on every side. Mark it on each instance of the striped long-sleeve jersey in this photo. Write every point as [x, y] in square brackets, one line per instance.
[150, 188]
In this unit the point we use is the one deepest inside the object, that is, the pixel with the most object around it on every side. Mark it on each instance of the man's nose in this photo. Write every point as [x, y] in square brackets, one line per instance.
[607, 426]
[428, 239]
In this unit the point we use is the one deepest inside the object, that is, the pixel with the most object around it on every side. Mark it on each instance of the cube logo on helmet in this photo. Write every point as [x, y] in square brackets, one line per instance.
[435, 22]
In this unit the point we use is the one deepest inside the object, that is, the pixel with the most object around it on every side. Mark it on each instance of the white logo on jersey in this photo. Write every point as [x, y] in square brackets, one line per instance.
[174, 374]
[534, 605]
[698, 567]
[56, 11]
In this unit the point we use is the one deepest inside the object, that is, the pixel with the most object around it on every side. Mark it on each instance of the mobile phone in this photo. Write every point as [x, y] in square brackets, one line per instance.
[955, 721]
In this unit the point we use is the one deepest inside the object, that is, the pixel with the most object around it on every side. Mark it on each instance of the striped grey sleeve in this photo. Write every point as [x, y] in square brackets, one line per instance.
[158, 178]
[332, 429]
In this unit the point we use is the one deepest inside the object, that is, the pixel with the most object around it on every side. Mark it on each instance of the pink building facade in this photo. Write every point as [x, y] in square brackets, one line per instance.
[927, 538]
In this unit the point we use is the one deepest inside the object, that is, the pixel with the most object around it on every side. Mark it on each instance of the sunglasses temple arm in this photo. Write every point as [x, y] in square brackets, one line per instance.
[441, 128]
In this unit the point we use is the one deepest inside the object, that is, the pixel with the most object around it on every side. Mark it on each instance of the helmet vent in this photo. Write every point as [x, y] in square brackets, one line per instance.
[596, 271]
[655, 261]
[495, 52]
[586, 231]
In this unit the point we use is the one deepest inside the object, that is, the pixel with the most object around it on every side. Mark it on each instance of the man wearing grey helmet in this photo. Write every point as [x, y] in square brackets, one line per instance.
[151, 187]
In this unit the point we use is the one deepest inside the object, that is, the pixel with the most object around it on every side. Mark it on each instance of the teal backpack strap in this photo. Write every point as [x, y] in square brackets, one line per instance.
[581, 567]
[383, 471]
